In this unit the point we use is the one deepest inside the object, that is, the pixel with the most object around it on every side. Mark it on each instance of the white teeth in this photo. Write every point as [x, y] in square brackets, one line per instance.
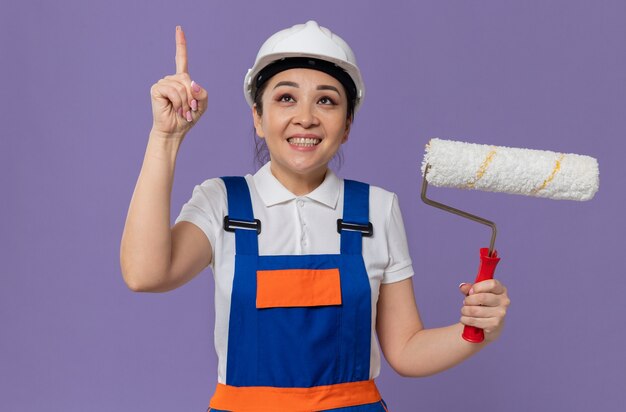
[304, 141]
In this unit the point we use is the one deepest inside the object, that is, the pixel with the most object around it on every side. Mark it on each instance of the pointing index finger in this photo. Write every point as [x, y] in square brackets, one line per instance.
[181, 51]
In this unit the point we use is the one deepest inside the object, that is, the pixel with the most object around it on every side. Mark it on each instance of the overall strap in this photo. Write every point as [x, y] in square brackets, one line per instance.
[355, 223]
[240, 218]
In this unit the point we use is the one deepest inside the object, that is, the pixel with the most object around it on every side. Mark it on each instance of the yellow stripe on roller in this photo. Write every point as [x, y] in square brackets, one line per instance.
[546, 182]
[483, 168]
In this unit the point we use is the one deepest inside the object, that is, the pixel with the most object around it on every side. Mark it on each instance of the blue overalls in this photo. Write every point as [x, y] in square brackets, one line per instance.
[300, 325]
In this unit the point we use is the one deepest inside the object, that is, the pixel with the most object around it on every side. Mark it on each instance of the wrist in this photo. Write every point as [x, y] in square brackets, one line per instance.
[167, 138]
[164, 145]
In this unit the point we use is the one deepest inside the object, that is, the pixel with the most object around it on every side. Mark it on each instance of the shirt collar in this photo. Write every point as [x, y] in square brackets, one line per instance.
[273, 192]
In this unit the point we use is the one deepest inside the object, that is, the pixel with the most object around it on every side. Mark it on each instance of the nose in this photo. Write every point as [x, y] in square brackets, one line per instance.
[306, 116]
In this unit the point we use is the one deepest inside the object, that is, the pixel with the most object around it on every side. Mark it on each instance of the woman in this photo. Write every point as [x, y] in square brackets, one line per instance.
[309, 269]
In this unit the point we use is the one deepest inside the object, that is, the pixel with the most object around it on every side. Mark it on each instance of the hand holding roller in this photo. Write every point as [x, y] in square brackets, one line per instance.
[528, 172]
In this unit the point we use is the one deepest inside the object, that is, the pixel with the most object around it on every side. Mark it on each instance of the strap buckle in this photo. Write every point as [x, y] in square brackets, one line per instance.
[231, 224]
[366, 230]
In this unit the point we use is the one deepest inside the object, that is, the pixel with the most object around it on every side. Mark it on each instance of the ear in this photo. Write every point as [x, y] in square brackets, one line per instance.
[347, 131]
[258, 123]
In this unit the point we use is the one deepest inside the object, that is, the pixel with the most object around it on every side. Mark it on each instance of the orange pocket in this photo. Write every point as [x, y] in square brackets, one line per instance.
[298, 288]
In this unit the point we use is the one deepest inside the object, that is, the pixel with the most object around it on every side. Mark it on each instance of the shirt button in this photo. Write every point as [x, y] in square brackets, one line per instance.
[301, 203]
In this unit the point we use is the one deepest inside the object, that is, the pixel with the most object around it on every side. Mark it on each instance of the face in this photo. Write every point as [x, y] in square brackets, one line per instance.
[303, 121]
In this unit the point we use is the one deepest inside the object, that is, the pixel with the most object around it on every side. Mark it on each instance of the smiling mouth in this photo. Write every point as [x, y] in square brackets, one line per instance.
[304, 141]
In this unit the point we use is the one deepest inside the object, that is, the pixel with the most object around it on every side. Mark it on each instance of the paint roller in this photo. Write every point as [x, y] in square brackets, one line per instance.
[538, 173]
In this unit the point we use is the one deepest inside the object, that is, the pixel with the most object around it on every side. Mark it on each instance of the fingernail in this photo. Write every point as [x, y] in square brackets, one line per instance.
[471, 292]
[462, 284]
[195, 87]
[194, 105]
[189, 118]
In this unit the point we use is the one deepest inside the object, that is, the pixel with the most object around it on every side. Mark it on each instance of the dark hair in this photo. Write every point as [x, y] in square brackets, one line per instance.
[262, 153]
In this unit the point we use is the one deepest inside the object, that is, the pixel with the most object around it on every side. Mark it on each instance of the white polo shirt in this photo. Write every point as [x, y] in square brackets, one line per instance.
[297, 225]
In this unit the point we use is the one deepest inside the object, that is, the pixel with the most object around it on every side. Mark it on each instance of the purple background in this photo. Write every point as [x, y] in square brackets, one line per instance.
[75, 116]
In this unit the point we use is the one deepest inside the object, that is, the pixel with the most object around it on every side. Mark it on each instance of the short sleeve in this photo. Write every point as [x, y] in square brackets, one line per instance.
[206, 208]
[400, 266]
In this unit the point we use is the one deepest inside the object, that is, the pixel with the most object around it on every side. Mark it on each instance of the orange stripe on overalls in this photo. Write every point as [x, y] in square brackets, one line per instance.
[298, 288]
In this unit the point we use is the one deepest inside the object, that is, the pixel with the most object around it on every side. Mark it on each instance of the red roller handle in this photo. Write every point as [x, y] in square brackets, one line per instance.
[486, 270]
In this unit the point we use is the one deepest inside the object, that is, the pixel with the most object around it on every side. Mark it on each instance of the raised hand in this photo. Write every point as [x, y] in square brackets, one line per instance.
[177, 101]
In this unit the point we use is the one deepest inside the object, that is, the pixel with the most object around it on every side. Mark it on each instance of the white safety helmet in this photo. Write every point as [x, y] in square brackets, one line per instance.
[305, 40]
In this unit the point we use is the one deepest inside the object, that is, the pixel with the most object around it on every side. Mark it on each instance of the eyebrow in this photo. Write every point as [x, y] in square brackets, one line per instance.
[285, 83]
[328, 87]
[320, 87]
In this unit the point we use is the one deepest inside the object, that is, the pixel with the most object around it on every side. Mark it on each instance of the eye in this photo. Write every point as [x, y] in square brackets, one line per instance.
[286, 98]
[327, 100]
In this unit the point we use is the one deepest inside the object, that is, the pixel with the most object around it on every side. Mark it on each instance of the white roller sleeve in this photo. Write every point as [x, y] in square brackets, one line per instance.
[510, 170]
